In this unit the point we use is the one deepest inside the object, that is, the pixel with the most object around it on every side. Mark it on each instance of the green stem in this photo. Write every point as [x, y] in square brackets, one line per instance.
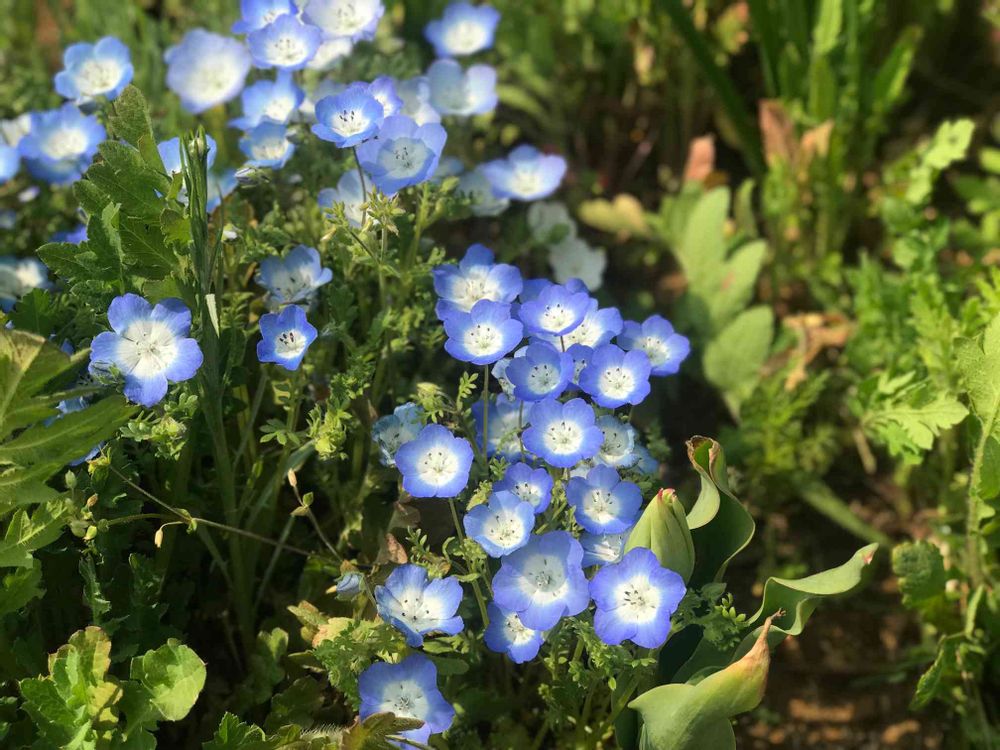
[480, 599]
[972, 510]
[364, 192]
[486, 412]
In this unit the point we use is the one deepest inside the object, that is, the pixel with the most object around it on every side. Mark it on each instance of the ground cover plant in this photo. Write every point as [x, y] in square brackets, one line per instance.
[458, 375]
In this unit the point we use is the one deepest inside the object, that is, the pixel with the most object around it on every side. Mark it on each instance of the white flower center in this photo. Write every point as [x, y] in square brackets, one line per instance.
[504, 529]
[348, 20]
[350, 122]
[213, 77]
[438, 466]
[617, 382]
[404, 157]
[464, 37]
[556, 317]
[65, 143]
[527, 492]
[147, 348]
[615, 442]
[544, 578]
[290, 344]
[600, 505]
[292, 285]
[525, 181]
[515, 630]
[563, 436]
[405, 699]
[279, 109]
[287, 49]
[97, 76]
[269, 149]
[472, 287]
[638, 600]
[656, 349]
[483, 339]
[543, 378]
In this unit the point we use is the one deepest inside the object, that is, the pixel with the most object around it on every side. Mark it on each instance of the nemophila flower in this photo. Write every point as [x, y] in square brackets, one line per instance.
[69, 406]
[463, 29]
[75, 236]
[563, 434]
[482, 335]
[18, 276]
[546, 217]
[206, 69]
[597, 328]
[618, 448]
[448, 166]
[635, 599]
[269, 101]
[645, 462]
[348, 118]
[331, 50]
[555, 311]
[655, 336]
[354, 19]
[383, 89]
[435, 463]
[170, 154]
[614, 377]
[602, 503]
[10, 162]
[506, 418]
[396, 429]
[455, 91]
[408, 690]
[286, 43]
[267, 145]
[543, 372]
[506, 634]
[534, 486]
[348, 193]
[581, 356]
[220, 185]
[602, 549]
[61, 144]
[256, 14]
[149, 345]
[526, 174]
[533, 287]
[324, 88]
[501, 525]
[476, 277]
[14, 129]
[349, 585]
[93, 70]
[404, 153]
[294, 277]
[285, 337]
[416, 95]
[543, 581]
[573, 258]
[417, 606]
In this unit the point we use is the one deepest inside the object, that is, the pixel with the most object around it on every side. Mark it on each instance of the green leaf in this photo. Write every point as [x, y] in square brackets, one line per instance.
[829, 21]
[68, 261]
[663, 528]
[891, 76]
[950, 143]
[733, 360]
[978, 364]
[34, 313]
[172, 677]
[18, 587]
[25, 533]
[372, 733]
[920, 569]
[130, 121]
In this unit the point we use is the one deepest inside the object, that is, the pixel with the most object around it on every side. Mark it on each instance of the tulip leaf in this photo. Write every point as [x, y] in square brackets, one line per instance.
[663, 528]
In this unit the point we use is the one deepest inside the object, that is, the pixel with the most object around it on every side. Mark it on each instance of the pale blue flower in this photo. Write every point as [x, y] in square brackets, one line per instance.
[348, 193]
[506, 634]
[206, 69]
[267, 145]
[285, 337]
[532, 485]
[476, 277]
[18, 276]
[556, 311]
[655, 336]
[61, 144]
[256, 14]
[416, 96]
[563, 434]
[501, 525]
[10, 162]
[404, 153]
[602, 502]
[93, 70]
[477, 187]
[526, 174]
[417, 606]
[269, 101]
[601, 549]
[435, 463]
[543, 372]
[614, 377]
[464, 29]
[482, 335]
[454, 91]
[507, 416]
[408, 690]
[395, 430]
[286, 43]
[354, 19]
[350, 117]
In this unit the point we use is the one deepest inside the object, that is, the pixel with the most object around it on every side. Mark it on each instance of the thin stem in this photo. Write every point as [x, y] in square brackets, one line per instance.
[486, 411]
[364, 192]
[972, 504]
[480, 599]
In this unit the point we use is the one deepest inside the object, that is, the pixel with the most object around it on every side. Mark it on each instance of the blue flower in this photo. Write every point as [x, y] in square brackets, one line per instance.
[149, 346]
[416, 606]
[532, 485]
[476, 187]
[285, 337]
[435, 463]
[602, 503]
[476, 277]
[506, 418]
[597, 328]
[396, 429]
[349, 585]
[448, 166]
[353, 19]
[10, 162]
[506, 634]
[482, 335]
[618, 448]
[502, 525]
[170, 154]
[267, 145]
[463, 29]
[286, 43]
[416, 95]
[383, 89]
[601, 549]
[93, 70]
[206, 69]
[348, 118]
[645, 462]
[656, 337]
[543, 581]
[581, 356]
[349, 193]
[454, 91]
[219, 186]
[555, 311]
[404, 153]
[635, 599]
[543, 372]
[408, 690]
[256, 14]
[295, 277]
[75, 236]
[614, 377]
[526, 174]
[563, 434]
[330, 51]
[61, 144]
[18, 276]
[269, 101]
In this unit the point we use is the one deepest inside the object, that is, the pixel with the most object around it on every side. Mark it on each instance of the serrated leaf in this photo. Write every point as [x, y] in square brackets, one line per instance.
[978, 362]
[920, 569]
[26, 533]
